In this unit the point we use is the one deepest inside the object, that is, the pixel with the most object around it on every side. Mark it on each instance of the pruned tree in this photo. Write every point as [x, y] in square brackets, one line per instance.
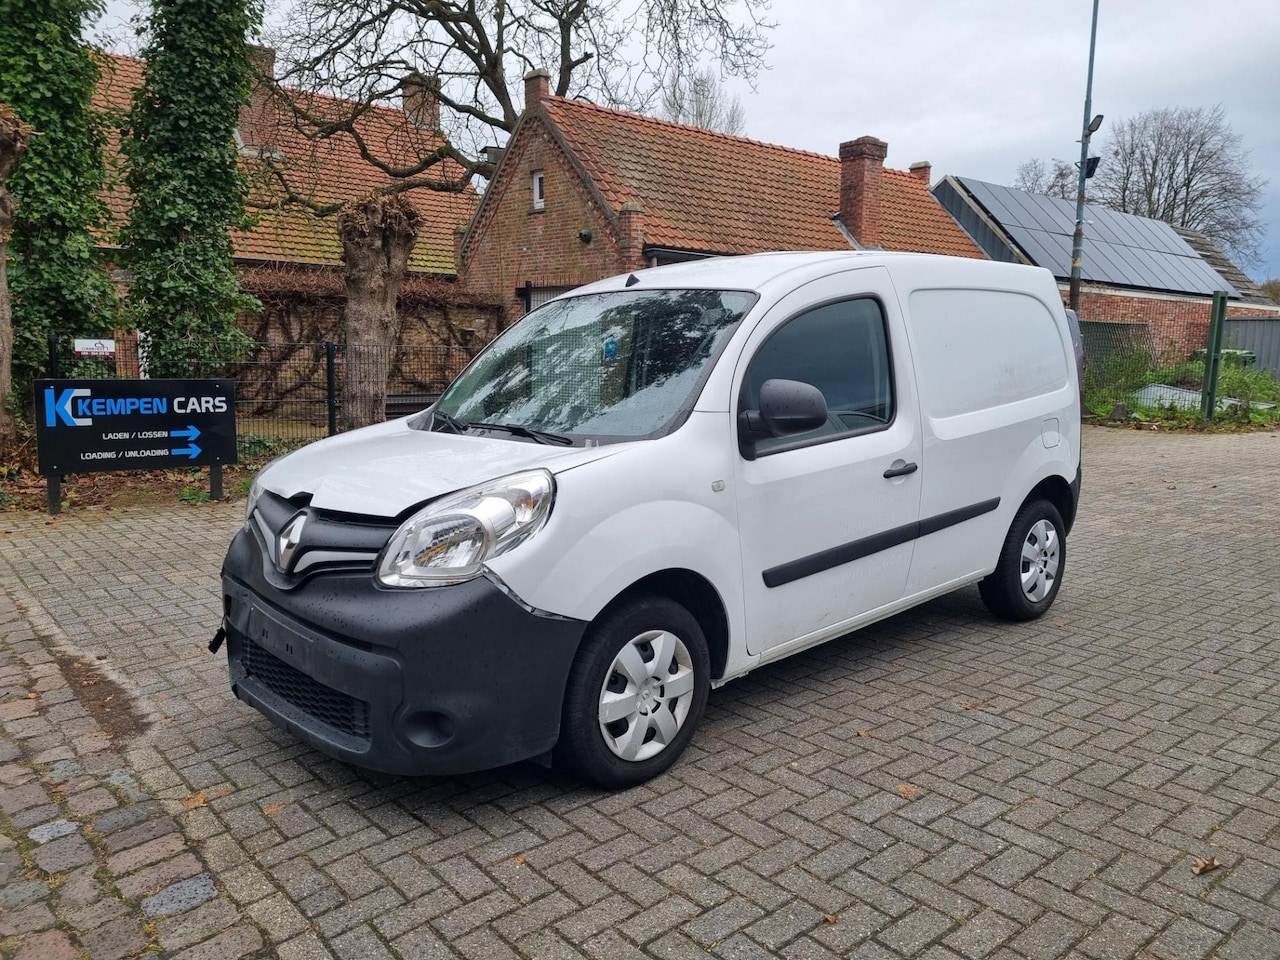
[1187, 167]
[57, 283]
[700, 100]
[14, 135]
[1059, 180]
[377, 232]
[186, 188]
[616, 52]
[340, 60]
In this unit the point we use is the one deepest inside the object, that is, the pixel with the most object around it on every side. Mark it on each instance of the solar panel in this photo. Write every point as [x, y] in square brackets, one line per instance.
[1119, 248]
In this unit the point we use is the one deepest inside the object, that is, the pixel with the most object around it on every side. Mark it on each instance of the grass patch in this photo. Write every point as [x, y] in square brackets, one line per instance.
[1118, 376]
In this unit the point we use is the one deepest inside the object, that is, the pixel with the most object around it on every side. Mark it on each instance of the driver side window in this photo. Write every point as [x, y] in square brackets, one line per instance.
[840, 348]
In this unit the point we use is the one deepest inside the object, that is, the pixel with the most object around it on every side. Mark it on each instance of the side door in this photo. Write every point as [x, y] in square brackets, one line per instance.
[827, 518]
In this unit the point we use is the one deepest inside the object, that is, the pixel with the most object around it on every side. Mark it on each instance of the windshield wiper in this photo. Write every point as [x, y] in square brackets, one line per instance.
[450, 421]
[541, 436]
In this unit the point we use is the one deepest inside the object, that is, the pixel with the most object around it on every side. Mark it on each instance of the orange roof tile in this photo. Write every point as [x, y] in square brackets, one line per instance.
[328, 171]
[711, 192]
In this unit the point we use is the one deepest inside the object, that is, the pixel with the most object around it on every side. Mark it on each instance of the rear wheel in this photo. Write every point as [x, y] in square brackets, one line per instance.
[1032, 562]
[635, 693]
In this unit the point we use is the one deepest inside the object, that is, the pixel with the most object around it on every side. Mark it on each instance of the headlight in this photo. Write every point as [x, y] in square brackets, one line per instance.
[450, 540]
[255, 491]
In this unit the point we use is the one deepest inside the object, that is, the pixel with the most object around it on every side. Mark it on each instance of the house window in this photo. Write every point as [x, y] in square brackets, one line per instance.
[539, 191]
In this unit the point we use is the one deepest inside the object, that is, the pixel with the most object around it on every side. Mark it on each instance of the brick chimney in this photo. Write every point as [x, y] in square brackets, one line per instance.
[537, 86]
[420, 99]
[923, 170]
[260, 118]
[861, 170]
[631, 239]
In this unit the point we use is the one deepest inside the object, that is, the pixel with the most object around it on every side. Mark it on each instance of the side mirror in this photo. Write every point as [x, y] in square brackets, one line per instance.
[787, 407]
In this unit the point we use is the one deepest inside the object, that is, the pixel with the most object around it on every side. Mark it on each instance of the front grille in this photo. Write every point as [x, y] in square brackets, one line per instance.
[344, 713]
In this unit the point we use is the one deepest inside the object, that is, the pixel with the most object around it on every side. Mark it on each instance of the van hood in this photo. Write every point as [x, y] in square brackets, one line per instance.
[383, 470]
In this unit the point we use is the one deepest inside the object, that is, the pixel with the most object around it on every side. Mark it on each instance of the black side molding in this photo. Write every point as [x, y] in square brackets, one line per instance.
[857, 549]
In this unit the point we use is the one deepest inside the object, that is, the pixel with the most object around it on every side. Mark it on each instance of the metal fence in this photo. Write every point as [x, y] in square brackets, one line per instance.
[1261, 337]
[287, 394]
[1158, 368]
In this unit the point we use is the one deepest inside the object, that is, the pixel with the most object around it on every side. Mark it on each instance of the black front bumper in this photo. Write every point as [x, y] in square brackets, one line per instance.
[439, 680]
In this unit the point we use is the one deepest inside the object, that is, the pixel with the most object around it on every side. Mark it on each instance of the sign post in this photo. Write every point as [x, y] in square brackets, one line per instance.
[90, 426]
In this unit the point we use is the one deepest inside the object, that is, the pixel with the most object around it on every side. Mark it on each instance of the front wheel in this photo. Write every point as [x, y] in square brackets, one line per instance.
[1032, 562]
[635, 693]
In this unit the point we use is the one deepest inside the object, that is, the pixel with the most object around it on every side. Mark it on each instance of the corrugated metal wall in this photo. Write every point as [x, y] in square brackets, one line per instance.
[1260, 336]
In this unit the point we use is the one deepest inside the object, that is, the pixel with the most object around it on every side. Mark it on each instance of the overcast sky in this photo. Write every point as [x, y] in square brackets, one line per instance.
[978, 86]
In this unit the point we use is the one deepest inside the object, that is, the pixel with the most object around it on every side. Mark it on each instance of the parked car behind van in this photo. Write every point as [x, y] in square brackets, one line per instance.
[651, 486]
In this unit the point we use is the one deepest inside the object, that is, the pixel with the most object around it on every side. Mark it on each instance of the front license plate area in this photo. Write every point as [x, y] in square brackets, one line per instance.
[280, 641]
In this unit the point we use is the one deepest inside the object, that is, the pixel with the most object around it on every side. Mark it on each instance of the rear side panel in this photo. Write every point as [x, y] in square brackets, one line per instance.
[1000, 411]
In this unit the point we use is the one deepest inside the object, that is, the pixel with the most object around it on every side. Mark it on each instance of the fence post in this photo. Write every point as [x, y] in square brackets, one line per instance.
[1213, 357]
[330, 386]
[53, 482]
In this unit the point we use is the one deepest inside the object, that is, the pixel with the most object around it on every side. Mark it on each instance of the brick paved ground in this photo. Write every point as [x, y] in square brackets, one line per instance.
[939, 786]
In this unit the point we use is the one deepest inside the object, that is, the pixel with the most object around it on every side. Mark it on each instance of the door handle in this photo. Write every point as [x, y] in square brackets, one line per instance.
[900, 469]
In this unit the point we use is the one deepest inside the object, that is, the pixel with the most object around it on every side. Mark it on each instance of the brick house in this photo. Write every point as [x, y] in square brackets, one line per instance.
[584, 192]
[291, 258]
[1137, 272]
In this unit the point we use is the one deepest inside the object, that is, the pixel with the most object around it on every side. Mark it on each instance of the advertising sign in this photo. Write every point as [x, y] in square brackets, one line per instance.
[85, 426]
[101, 347]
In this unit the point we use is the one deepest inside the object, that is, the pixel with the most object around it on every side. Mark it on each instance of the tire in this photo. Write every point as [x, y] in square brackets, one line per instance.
[1024, 584]
[621, 658]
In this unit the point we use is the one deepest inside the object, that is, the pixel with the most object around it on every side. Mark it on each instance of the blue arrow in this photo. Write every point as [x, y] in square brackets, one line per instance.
[188, 434]
[190, 450]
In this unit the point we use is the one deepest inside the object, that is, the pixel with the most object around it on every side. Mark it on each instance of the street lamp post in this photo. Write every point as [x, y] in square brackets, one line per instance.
[1089, 127]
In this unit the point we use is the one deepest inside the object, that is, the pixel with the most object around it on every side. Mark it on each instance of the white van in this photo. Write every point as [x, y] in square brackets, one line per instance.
[649, 487]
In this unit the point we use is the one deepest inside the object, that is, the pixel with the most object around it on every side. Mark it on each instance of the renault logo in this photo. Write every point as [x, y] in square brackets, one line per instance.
[287, 544]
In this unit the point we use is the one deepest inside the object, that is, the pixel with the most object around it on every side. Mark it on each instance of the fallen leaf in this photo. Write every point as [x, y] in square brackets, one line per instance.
[974, 704]
[907, 792]
[217, 793]
[518, 859]
[271, 809]
[32, 695]
[864, 733]
[1204, 865]
[828, 918]
[195, 800]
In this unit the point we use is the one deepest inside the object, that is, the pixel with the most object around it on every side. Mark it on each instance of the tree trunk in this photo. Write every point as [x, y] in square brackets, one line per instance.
[13, 141]
[377, 234]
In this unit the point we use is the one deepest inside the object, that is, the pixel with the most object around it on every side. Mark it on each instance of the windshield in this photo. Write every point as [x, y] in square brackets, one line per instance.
[624, 364]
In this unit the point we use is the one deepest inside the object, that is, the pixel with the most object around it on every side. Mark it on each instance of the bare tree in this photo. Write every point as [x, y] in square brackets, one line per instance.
[1185, 166]
[377, 232]
[1272, 289]
[700, 100]
[616, 52]
[14, 135]
[1059, 181]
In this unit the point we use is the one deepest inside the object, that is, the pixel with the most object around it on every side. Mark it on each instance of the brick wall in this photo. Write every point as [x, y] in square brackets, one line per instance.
[1178, 326]
[512, 242]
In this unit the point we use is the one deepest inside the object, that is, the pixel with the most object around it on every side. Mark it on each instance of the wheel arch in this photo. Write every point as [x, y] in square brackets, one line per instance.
[1057, 491]
[696, 594]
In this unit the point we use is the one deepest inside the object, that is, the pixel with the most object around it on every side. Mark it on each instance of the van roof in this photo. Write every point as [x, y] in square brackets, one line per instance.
[755, 271]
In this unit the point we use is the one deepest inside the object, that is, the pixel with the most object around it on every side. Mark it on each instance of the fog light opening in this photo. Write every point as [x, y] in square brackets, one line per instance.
[429, 728]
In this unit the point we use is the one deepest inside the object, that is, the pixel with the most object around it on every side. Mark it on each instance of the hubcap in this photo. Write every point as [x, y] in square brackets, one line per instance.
[1040, 559]
[646, 694]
